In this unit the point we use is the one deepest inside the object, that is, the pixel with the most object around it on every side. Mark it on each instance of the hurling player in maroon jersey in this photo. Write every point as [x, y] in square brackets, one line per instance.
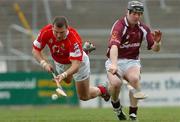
[125, 41]
[71, 61]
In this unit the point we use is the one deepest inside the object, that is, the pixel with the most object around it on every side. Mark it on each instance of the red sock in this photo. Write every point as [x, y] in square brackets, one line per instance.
[102, 89]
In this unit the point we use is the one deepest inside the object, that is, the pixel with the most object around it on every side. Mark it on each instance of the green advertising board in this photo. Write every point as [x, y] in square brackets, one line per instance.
[33, 88]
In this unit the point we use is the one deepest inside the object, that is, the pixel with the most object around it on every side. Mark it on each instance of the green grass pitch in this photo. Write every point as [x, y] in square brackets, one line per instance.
[75, 114]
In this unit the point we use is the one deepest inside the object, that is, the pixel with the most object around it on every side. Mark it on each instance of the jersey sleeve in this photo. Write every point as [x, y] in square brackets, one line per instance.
[76, 51]
[40, 42]
[116, 34]
[149, 38]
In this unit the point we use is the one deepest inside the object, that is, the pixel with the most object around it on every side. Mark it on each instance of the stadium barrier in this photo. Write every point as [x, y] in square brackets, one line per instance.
[35, 88]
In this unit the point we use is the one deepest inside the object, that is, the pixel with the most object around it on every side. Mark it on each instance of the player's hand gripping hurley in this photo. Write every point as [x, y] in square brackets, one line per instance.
[136, 94]
[59, 89]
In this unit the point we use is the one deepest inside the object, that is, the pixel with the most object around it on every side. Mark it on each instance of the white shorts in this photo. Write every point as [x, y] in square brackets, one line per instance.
[124, 64]
[83, 72]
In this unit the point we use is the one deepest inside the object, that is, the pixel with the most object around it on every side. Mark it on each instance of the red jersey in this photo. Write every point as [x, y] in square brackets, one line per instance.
[64, 50]
[128, 39]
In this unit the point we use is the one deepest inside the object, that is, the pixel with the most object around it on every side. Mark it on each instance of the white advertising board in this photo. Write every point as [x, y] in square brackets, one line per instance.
[163, 89]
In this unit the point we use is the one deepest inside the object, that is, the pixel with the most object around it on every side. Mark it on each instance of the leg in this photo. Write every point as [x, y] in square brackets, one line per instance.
[85, 91]
[133, 76]
[114, 88]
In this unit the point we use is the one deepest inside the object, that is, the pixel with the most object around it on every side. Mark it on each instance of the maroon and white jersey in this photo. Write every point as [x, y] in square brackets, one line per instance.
[128, 39]
[62, 51]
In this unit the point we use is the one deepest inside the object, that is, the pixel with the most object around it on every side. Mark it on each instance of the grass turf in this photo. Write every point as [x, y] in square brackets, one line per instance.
[75, 114]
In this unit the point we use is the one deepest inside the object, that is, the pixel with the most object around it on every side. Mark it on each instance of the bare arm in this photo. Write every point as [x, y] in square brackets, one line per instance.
[75, 64]
[42, 60]
[113, 58]
[37, 55]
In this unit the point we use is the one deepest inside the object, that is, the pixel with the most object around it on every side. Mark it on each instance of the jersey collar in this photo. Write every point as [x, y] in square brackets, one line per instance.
[66, 34]
[126, 22]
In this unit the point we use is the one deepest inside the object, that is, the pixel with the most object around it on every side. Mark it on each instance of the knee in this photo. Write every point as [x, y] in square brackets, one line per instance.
[84, 98]
[116, 85]
[134, 79]
[135, 82]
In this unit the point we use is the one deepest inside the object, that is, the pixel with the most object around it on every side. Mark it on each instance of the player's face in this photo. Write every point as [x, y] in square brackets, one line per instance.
[59, 33]
[134, 17]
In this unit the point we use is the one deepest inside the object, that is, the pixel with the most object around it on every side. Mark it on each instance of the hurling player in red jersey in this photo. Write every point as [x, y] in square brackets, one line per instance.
[123, 55]
[70, 60]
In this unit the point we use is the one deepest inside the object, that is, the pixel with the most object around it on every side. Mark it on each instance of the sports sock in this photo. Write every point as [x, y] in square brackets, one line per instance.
[116, 104]
[102, 89]
[133, 110]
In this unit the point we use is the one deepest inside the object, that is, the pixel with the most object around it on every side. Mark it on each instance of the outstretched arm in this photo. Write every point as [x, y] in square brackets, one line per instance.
[157, 40]
[40, 58]
[75, 64]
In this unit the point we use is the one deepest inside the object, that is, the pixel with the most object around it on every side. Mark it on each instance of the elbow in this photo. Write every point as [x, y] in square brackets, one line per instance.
[35, 52]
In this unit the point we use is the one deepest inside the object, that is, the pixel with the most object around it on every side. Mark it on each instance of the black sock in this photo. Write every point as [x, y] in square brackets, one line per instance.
[133, 110]
[116, 104]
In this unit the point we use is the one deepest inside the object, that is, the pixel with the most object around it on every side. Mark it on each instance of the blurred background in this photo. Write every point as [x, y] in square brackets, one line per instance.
[20, 21]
